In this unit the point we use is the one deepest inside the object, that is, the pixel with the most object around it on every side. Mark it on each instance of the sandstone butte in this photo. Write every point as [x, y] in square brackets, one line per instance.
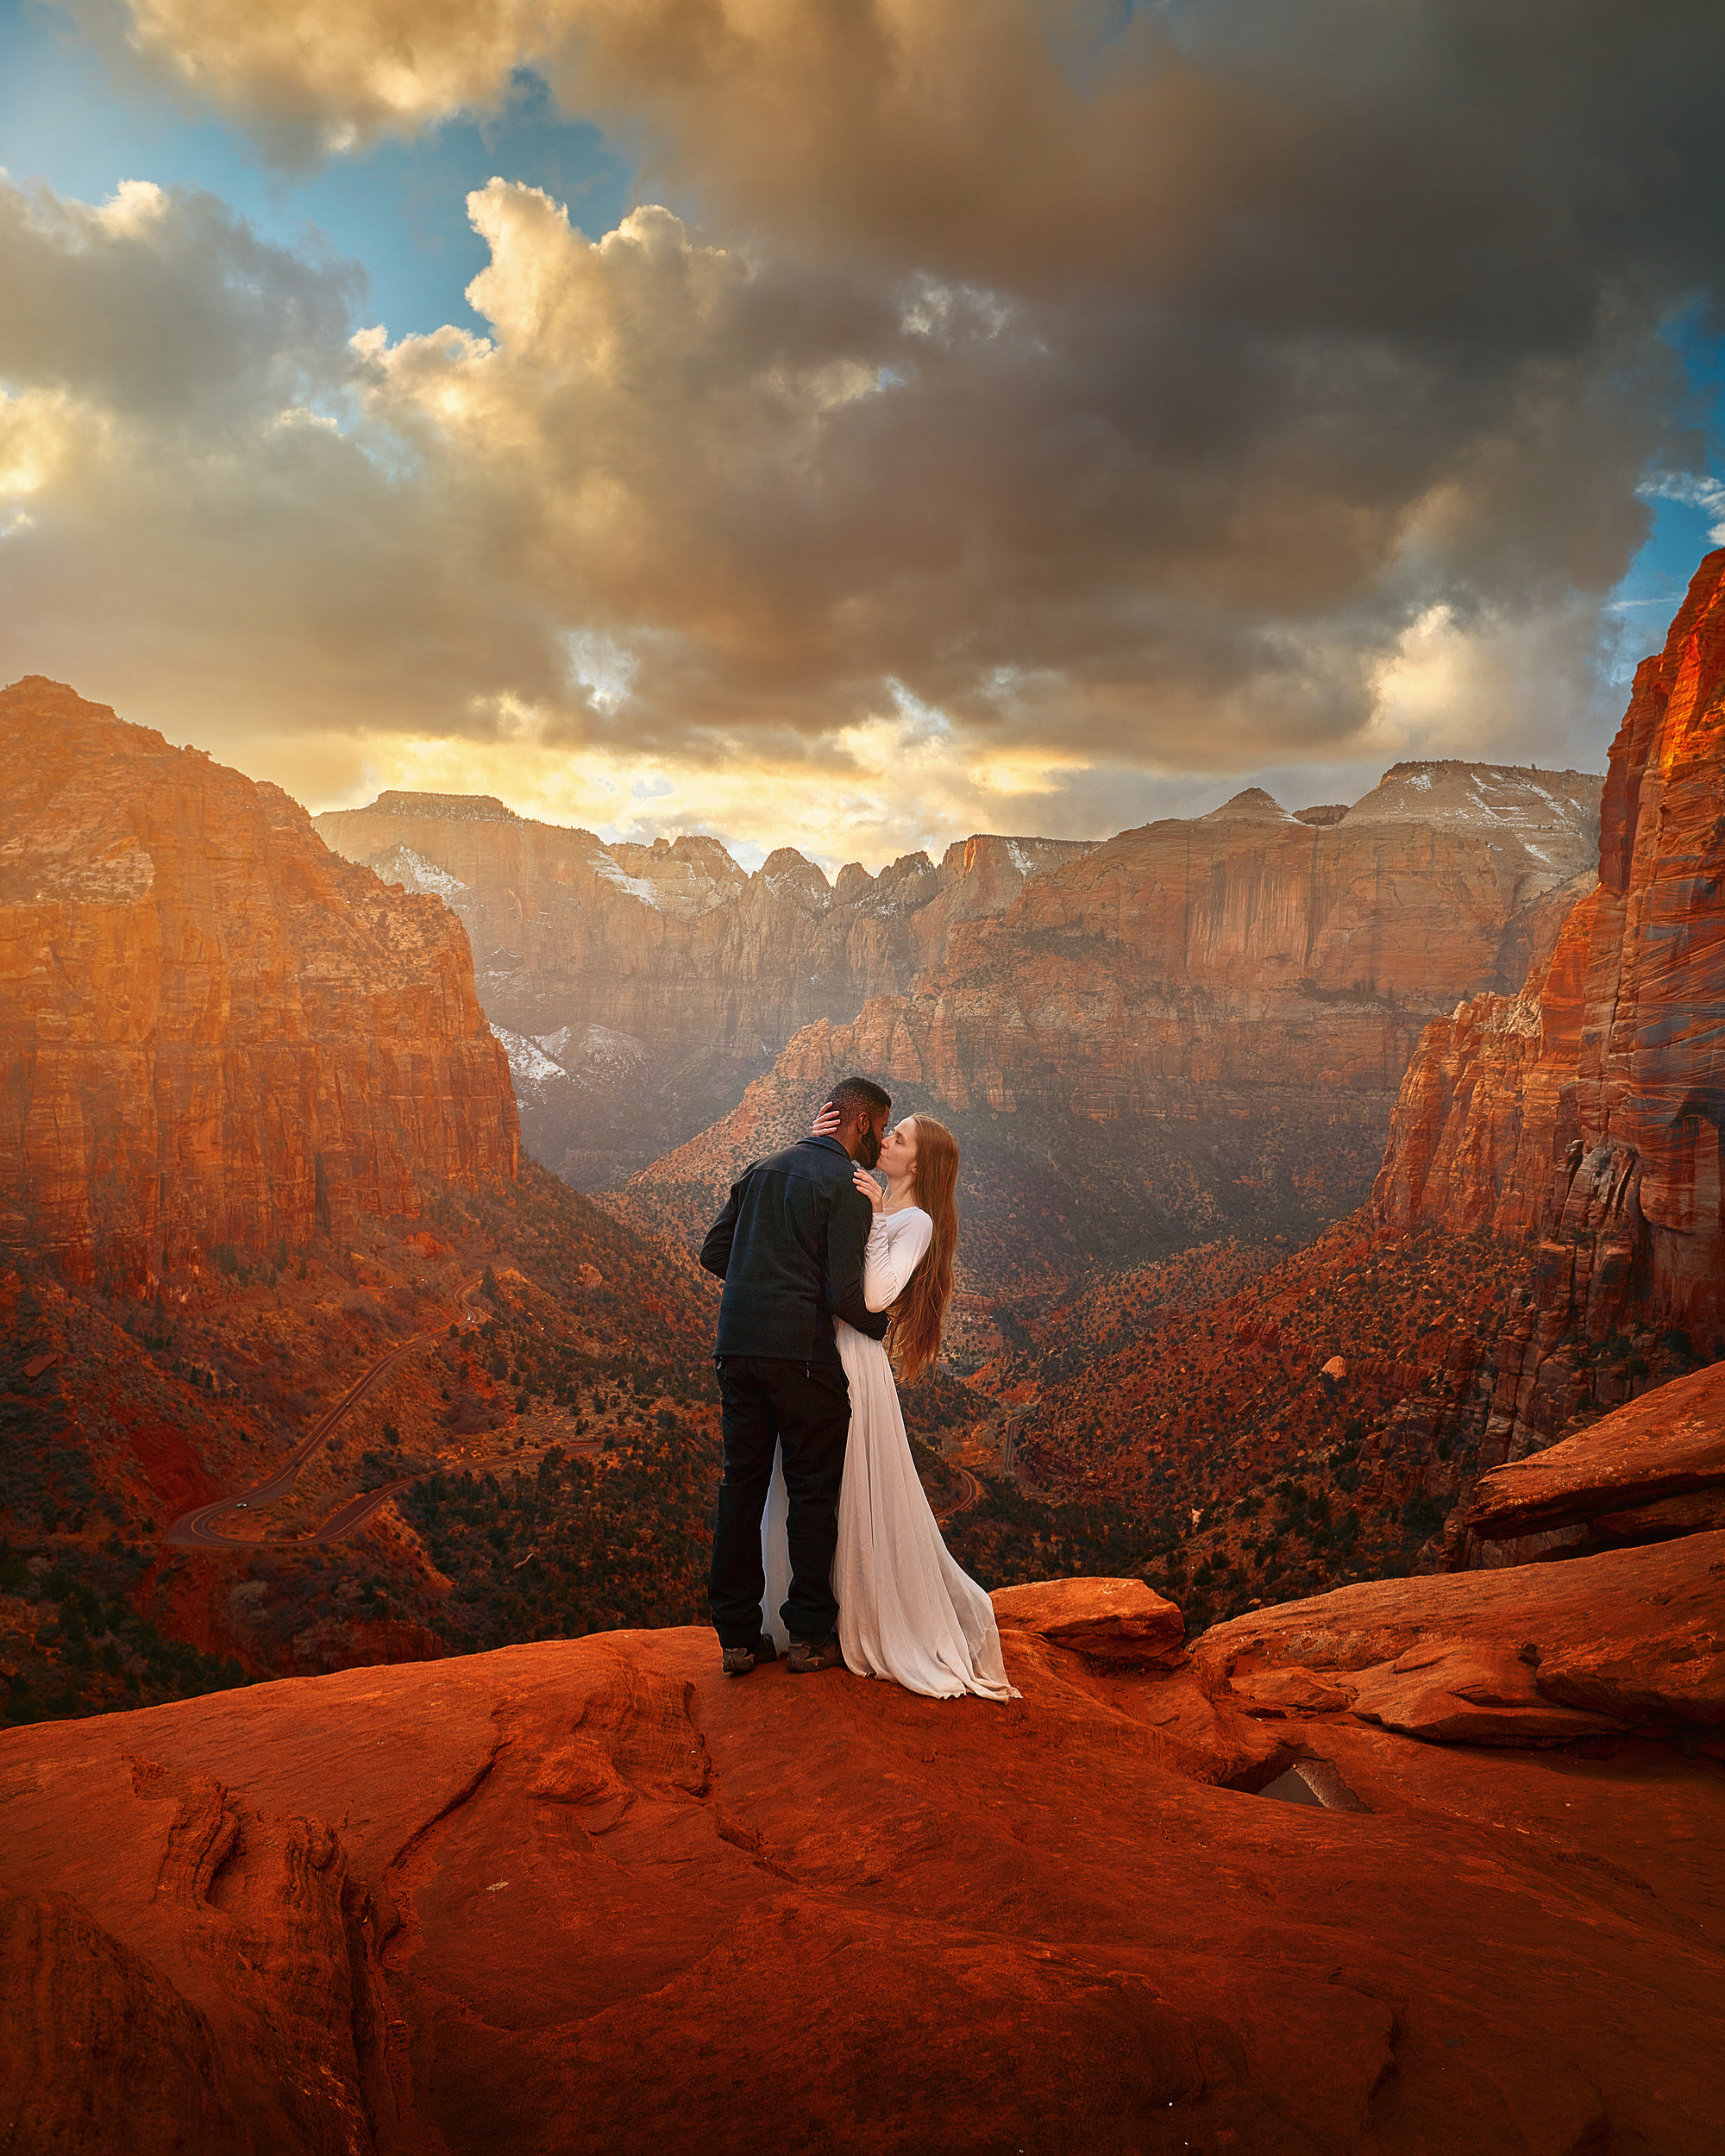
[212, 1029]
[1248, 946]
[588, 1895]
[1589, 1111]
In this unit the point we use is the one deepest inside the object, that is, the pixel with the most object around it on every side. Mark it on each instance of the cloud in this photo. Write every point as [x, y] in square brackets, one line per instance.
[1697, 490]
[1141, 393]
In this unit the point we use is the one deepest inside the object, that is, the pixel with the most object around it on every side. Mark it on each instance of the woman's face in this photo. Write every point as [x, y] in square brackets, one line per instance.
[897, 1149]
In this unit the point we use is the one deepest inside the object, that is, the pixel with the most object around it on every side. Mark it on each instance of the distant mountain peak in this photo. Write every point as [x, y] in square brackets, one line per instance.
[1253, 806]
[468, 808]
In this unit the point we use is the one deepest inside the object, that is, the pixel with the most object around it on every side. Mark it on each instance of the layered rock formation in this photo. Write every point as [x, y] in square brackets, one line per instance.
[455, 1906]
[1654, 1468]
[1590, 1110]
[1529, 1655]
[1197, 1025]
[213, 1031]
[638, 987]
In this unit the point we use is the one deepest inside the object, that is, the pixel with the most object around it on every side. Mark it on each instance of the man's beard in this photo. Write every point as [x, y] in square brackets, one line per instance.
[869, 1147]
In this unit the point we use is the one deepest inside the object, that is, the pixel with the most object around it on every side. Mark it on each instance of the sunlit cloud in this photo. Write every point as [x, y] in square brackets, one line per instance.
[1006, 414]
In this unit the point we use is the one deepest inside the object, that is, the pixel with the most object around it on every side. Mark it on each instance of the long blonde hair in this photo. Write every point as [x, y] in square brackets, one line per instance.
[913, 1340]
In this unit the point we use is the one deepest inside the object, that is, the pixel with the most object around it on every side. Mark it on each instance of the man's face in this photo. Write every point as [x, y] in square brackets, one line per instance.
[869, 1143]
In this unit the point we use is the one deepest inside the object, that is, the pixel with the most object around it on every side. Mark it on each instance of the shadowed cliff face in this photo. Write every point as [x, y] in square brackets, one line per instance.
[1589, 1110]
[212, 1029]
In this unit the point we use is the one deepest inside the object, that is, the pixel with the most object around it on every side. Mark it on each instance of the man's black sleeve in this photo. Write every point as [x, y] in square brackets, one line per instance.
[847, 1230]
[716, 1250]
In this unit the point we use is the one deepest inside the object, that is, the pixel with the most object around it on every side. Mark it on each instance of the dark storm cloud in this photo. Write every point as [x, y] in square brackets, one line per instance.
[1142, 384]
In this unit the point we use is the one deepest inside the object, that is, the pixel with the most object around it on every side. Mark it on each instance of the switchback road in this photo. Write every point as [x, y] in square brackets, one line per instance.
[196, 1529]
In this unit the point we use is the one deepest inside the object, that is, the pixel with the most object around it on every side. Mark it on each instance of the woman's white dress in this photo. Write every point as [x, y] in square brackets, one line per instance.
[906, 1610]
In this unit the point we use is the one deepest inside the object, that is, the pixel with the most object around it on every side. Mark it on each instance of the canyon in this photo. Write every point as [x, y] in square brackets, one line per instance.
[1232, 998]
[637, 988]
[1193, 1030]
[416, 1838]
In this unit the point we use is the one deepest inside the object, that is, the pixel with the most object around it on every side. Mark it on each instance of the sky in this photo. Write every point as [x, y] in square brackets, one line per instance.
[852, 426]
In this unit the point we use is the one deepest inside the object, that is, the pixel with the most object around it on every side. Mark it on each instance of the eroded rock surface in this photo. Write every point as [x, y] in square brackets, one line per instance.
[1656, 1464]
[587, 1896]
[212, 1029]
[1630, 1638]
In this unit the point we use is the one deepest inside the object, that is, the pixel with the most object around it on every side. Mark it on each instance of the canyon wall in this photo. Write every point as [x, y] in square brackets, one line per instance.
[637, 988]
[213, 1031]
[1196, 1028]
[1247, 948]
[1588, 1111]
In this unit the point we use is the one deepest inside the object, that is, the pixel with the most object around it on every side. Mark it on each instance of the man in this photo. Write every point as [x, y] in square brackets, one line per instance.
[788, 1247]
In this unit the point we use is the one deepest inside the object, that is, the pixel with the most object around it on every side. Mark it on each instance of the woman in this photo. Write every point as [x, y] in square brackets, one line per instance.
[905, 1610]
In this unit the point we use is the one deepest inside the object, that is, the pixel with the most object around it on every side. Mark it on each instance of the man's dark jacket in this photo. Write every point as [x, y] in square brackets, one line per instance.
[788, 1247]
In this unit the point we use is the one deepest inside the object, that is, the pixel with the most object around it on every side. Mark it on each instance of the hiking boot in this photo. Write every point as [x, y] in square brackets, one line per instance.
[739, 1661]
[815, 1654]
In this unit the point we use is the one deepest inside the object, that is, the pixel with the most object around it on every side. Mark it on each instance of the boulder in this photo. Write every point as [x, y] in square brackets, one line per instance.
[1117, 1621]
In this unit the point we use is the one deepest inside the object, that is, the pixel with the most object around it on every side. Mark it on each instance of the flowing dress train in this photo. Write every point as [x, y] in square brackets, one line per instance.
[906, 1610]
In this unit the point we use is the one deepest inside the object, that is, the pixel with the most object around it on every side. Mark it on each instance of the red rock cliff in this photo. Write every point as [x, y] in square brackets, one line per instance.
[1198, 1025]
[1240, 948]
[637, 988]
[1589, 1109]
[212, 1029]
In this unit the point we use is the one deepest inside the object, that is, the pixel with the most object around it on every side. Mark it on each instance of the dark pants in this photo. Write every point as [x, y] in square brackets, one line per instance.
[804, 1407]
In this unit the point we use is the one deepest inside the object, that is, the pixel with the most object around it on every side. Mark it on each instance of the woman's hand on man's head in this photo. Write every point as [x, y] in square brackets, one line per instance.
[826, 1122]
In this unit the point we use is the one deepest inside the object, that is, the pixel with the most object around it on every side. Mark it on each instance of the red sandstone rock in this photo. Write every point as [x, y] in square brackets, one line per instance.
[212, 1029]
[1115, 1621]
[1668, 1446]
[1292, 1691]
[1588, 1110]
[1529, 1654]
[1465, 1694]
[587, 1896]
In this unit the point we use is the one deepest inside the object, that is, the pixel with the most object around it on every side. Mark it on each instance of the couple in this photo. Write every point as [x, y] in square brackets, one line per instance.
[819, 1268]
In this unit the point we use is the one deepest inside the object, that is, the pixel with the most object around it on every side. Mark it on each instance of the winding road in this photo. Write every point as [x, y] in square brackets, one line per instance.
[196, 1529]
[972, 1494]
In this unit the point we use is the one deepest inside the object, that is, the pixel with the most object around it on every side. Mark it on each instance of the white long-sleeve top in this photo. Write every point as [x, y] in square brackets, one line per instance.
[892, 1254]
